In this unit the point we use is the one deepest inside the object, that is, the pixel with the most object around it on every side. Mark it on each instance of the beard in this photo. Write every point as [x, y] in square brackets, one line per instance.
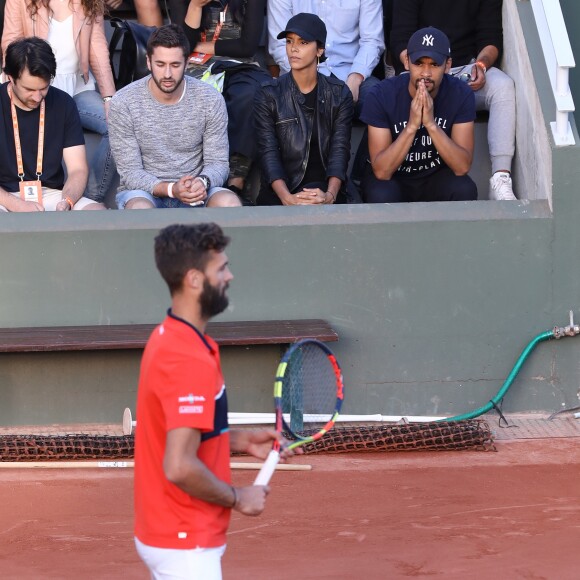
[212, 300]
[168, 90]
[26, 104]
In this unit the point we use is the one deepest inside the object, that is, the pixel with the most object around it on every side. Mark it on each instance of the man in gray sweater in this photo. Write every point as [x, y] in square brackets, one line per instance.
[168, 134]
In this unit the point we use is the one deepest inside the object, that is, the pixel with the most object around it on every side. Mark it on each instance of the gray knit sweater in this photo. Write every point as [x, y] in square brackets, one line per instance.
[153, 142]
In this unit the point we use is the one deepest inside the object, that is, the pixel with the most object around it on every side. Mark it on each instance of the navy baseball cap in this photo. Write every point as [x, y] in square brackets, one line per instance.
[307, 26]
[430, 42]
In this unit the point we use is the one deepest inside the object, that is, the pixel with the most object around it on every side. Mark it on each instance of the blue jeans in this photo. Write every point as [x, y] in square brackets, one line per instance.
[102, 168]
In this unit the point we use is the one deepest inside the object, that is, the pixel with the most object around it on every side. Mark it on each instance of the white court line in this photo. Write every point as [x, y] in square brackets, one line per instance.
[230, 533]
[15, 526]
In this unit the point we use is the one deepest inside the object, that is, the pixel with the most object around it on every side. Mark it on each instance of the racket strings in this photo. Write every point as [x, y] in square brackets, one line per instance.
[309, 394]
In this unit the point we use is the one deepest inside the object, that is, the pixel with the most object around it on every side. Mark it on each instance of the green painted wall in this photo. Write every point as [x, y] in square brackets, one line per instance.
[433, 302]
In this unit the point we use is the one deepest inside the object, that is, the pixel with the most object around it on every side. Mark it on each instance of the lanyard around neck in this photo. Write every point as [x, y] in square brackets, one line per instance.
[17, 144]
[219, 25]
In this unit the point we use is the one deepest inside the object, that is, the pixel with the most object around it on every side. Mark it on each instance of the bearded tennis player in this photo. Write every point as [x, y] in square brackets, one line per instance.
[183, 491]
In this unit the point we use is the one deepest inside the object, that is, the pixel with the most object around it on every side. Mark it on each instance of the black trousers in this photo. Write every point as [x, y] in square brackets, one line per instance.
[443, 185]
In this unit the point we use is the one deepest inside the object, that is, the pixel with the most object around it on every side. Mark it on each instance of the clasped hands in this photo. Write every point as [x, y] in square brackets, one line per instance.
[190, 190]
[310, 196]
[421, 109]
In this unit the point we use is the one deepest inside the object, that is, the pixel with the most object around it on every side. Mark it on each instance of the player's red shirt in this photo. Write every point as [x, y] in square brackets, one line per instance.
[181, 385]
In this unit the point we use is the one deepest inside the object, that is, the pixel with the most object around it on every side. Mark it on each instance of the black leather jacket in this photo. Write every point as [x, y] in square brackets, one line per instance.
[284, 132]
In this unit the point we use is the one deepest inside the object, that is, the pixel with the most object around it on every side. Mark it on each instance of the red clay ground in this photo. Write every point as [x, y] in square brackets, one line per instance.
[469, 515]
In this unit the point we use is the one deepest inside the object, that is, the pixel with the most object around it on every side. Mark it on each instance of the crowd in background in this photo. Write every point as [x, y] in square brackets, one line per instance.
[292, 84]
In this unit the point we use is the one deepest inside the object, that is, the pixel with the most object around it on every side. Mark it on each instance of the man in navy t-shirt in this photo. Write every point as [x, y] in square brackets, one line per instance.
[32, 113]
[420, 129]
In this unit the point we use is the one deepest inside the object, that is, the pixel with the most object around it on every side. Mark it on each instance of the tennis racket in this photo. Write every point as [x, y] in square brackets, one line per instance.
[308, 395]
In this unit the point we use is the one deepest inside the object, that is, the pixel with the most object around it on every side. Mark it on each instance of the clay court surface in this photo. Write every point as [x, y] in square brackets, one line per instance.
[514, 513]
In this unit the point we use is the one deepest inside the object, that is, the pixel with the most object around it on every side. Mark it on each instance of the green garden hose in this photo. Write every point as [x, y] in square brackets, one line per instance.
[495, 401]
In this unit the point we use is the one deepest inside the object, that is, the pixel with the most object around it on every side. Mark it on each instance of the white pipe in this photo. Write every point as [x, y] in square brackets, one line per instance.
[269, 418]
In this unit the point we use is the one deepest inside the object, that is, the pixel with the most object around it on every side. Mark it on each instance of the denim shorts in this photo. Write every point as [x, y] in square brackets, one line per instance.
[160, 202]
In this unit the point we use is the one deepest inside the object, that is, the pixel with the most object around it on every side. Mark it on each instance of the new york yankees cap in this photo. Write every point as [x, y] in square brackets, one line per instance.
[430, 42]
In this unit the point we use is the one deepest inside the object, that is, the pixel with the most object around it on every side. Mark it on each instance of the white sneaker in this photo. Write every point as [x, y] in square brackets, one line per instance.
[500, 187]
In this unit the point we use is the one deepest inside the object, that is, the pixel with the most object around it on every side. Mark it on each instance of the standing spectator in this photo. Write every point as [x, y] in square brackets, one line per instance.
[474, 28]
[169, 133]
[183, 492]
[420, 129]
[76, 33]
[33, 112]
[303, 124]
[355, 39]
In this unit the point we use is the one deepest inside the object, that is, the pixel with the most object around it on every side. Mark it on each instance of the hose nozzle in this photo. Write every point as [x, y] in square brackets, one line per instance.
[570, 330]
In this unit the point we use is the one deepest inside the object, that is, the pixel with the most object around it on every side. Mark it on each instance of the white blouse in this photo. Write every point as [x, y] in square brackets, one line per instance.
[68, 76]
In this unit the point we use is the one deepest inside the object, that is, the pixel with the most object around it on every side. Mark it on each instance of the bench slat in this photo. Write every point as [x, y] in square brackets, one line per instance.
[128, 336]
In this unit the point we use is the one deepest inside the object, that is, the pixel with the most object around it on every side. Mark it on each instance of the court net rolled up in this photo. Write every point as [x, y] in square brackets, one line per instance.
[65, 447]
[474, 435]
[438, 436]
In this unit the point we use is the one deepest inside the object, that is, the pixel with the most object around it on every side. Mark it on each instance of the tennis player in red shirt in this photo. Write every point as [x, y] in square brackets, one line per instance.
[183, 491]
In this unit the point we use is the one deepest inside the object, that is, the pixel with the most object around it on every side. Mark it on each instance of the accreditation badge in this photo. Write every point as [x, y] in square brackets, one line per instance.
[31, 191]
[199, 57]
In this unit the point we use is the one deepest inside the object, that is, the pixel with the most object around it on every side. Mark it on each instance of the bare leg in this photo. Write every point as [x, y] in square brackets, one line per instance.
[148, 12]
[94, 206]
[139, 203]
[224, 198]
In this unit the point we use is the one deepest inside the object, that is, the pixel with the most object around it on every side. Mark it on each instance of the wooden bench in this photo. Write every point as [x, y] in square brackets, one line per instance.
[134, 336]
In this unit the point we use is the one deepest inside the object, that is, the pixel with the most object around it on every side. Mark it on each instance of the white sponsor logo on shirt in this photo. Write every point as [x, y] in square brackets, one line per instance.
[191, 398]
[190, 409]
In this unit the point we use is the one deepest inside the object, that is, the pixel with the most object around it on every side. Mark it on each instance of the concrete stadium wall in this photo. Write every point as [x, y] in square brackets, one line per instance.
[433, 302]
[532, 170]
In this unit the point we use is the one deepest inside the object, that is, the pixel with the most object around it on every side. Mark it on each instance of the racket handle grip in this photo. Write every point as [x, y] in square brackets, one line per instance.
[268, 468]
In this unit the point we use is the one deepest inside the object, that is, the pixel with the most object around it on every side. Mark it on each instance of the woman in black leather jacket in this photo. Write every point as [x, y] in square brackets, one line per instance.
[303, 123]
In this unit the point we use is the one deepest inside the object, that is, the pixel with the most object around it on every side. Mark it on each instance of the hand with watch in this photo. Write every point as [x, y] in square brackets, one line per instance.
[107, 103]
[200, 187]
[189, 189]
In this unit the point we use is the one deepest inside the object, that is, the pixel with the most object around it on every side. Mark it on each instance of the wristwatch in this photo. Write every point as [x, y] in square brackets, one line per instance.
[205, 180]
[107, 98]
